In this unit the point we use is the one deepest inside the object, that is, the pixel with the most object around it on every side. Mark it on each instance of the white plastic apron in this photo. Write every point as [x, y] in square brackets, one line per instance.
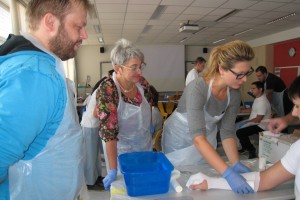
[57, 171]
[189, 154]
[277, 103]
[134, 124]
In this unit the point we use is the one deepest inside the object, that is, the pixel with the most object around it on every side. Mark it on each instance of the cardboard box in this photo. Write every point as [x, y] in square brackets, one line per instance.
[274, 146]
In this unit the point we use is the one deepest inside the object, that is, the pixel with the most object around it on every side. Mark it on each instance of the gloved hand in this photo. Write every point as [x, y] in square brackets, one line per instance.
[237, 183]
[109, 178]
[152, 129]
[240, 168]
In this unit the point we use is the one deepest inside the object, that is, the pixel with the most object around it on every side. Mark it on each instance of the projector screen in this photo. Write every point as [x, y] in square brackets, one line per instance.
[165, 68]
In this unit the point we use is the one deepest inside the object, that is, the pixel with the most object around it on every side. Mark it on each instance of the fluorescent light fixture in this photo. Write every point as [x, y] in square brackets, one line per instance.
[201, 29]
[280, 18]
[218, 41]
[181, 41]
[93, 12]
[231, 13]
[147, 28]
[100, 39]
[97, 28]
[158, 11]
[243, 32]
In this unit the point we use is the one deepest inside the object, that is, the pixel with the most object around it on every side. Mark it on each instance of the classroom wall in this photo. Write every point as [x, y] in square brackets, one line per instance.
[88, 61]
[285, 62]
[89, 57]
[263, 56]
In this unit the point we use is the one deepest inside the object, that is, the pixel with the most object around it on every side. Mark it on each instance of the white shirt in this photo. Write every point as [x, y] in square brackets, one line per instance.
[88, 119]
[193, 73]
[261, 106]
[291, 162]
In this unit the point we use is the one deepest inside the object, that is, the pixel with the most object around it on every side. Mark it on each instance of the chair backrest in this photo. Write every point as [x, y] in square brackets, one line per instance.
[157, 140]
[162, 110]
[170, 107]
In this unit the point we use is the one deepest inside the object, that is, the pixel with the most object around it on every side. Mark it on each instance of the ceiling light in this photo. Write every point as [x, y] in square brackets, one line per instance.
[231, 13]
[218, 41]
[158, 11]
[181, 41]
[97, 28]
[280, 18]
[100, 39]
[242, 32]
[147, 28]
[93, 12]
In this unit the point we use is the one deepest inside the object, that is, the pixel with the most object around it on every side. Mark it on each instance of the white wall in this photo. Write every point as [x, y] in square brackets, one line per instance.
[88, 58]
[88, 61]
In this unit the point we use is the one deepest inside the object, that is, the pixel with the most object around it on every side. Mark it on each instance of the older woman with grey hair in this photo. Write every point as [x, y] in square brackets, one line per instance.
[123, 107]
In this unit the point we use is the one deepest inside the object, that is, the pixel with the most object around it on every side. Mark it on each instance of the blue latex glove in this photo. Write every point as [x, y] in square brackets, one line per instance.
[109, 178]
[237, 183]
[152, 129]
[240, 168]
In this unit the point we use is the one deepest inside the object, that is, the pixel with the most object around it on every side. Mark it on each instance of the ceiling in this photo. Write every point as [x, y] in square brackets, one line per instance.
[135, 20]
[158, 21]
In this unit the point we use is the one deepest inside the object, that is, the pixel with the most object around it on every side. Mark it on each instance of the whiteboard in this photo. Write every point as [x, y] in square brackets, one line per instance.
[165, 68]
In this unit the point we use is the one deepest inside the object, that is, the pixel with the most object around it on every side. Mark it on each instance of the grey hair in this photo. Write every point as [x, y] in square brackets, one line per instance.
[123, 51]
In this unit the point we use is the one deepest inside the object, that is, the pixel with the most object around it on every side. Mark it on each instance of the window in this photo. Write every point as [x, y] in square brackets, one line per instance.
[5, 27]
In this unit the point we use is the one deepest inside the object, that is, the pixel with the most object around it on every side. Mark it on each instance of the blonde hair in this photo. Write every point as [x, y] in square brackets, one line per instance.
[226, 56]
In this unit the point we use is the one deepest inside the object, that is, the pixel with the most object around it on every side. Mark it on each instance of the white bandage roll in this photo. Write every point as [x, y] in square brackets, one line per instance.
[177, 187]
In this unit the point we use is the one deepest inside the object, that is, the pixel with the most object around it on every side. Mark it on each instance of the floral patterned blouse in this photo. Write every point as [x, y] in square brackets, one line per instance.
[107, 101]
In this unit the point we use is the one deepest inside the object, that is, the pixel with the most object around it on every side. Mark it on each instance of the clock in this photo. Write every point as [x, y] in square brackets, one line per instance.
[292, 52]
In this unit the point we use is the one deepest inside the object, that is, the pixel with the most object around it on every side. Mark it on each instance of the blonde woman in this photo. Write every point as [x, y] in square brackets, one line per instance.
[210, 104]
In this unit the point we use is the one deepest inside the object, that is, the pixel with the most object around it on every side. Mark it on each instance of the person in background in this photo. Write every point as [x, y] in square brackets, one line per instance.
[288, 167]
[275, 90]
[92, 141]
[88, 98]
[198, 67]
[156, 117]
[210, 104]
[41, 139]
[261, 109]
[123, 107]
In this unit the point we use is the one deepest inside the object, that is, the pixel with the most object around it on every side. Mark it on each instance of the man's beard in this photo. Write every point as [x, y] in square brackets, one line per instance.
[62, 46]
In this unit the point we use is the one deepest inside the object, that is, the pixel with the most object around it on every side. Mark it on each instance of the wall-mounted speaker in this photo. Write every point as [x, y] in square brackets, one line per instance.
[101, 49]
[205, 50]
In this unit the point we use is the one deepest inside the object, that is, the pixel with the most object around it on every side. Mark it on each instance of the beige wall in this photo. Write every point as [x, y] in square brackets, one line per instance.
[263, 56]
[88, 61]
[89, 57]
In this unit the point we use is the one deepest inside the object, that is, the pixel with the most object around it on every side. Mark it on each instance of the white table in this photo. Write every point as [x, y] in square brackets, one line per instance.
[283, 192]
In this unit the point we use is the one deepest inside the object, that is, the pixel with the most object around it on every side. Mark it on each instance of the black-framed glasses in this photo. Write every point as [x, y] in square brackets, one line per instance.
[242, 75]
[135, 67]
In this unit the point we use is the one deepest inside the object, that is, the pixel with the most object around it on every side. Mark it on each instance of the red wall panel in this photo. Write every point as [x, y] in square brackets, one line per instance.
[281, 55]
[283, 59]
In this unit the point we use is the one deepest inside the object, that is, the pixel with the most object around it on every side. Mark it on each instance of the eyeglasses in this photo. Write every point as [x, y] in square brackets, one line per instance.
[242, 75]
[135, 67]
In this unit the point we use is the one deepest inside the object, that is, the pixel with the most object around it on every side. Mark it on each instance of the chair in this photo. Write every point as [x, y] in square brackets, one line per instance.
[157, 140]
[170, 105]
[162, 110]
